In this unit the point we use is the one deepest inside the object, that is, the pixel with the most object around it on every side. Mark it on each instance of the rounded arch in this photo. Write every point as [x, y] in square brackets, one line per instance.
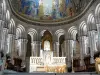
[20, 32]
[82, 28]
[7, 16]
[91, 22]
[97, 13]
[43, 31]
[12, 28]
[46, 38]
[72, 31]
[3, 10]
[33, 33]
[59, 33]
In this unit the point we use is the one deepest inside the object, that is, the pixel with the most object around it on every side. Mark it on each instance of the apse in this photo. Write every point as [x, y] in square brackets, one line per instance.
[46, 10]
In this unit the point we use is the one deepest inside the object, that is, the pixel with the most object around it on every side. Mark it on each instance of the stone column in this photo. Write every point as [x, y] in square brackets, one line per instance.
[57, 49]
[22, 50]
[63, 49]
[98, 29]
[69, 52]
[92, 45]
[35, 48]
[82, 51]
[54, 49]
[1, 27]
[11, 45]
[64, 46]
[33, 53]
[4, 40]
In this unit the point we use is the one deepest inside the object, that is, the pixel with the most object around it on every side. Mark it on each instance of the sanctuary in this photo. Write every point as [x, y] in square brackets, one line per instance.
[56, 37]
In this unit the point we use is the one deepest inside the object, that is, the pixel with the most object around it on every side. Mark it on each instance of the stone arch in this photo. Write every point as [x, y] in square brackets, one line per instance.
[3, 10]
[91, 22]
[20, 32]
[7, 19]
[46, 37]
[59, 33]
[42, 32]
[83, 29]
[97, 13]
[33, 33]
[12, 27]
[72, 31]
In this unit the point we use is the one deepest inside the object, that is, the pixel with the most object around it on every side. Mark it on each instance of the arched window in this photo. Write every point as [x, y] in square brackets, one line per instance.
[47, 45]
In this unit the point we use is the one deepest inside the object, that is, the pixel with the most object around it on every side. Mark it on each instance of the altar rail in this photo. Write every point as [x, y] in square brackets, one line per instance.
[36, 61]
[59, 60]
[39, 60]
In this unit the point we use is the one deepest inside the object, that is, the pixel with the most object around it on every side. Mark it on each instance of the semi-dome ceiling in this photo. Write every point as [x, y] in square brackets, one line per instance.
[48, 10]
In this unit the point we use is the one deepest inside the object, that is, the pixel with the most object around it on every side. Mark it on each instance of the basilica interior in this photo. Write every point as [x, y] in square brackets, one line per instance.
[50, 36]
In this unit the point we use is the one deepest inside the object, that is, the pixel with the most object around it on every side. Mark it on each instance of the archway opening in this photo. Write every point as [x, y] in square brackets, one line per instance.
[46, 41]
[28, 52]
[61, 46]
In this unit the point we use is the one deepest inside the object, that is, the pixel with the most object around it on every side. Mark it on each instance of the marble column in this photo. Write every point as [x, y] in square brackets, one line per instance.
[82, 51]
[11, 45]
[91, 35]
[54, 49]
[33, 51]
[22, 50]
[98, 30]
[35, 48]
[57, 49]
[1, 27]
[64, 47]
[4, 40]
[69, 52]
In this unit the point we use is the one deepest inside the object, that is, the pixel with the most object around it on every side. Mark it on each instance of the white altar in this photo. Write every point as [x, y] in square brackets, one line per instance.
[47, 63]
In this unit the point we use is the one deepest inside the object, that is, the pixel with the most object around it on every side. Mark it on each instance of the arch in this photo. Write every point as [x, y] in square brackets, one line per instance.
[83, 28]
[43, 31]
[59, 33]
[29, 46]
[97, 13]
[3, 10]
[91, 22]
[7, 16]
[20, 32]
[47, 36]
[72, 31]
[12, 28]
[3, 7]
[33, 33]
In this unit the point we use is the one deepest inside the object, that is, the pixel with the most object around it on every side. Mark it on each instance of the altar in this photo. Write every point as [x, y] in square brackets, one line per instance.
[47, 63]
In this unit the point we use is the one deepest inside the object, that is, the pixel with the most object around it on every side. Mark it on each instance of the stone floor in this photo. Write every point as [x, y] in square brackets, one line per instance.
[76, 73]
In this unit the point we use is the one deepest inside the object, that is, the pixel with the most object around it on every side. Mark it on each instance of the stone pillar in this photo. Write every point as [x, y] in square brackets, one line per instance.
[69, 52]
[54, 49]
[4, 40]
[1, 27]
[57, 49]
[64, 48]
[98, 29]
[92, 45]
[35, 48]
[82, 51]
[11, 45]
[22, 50]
